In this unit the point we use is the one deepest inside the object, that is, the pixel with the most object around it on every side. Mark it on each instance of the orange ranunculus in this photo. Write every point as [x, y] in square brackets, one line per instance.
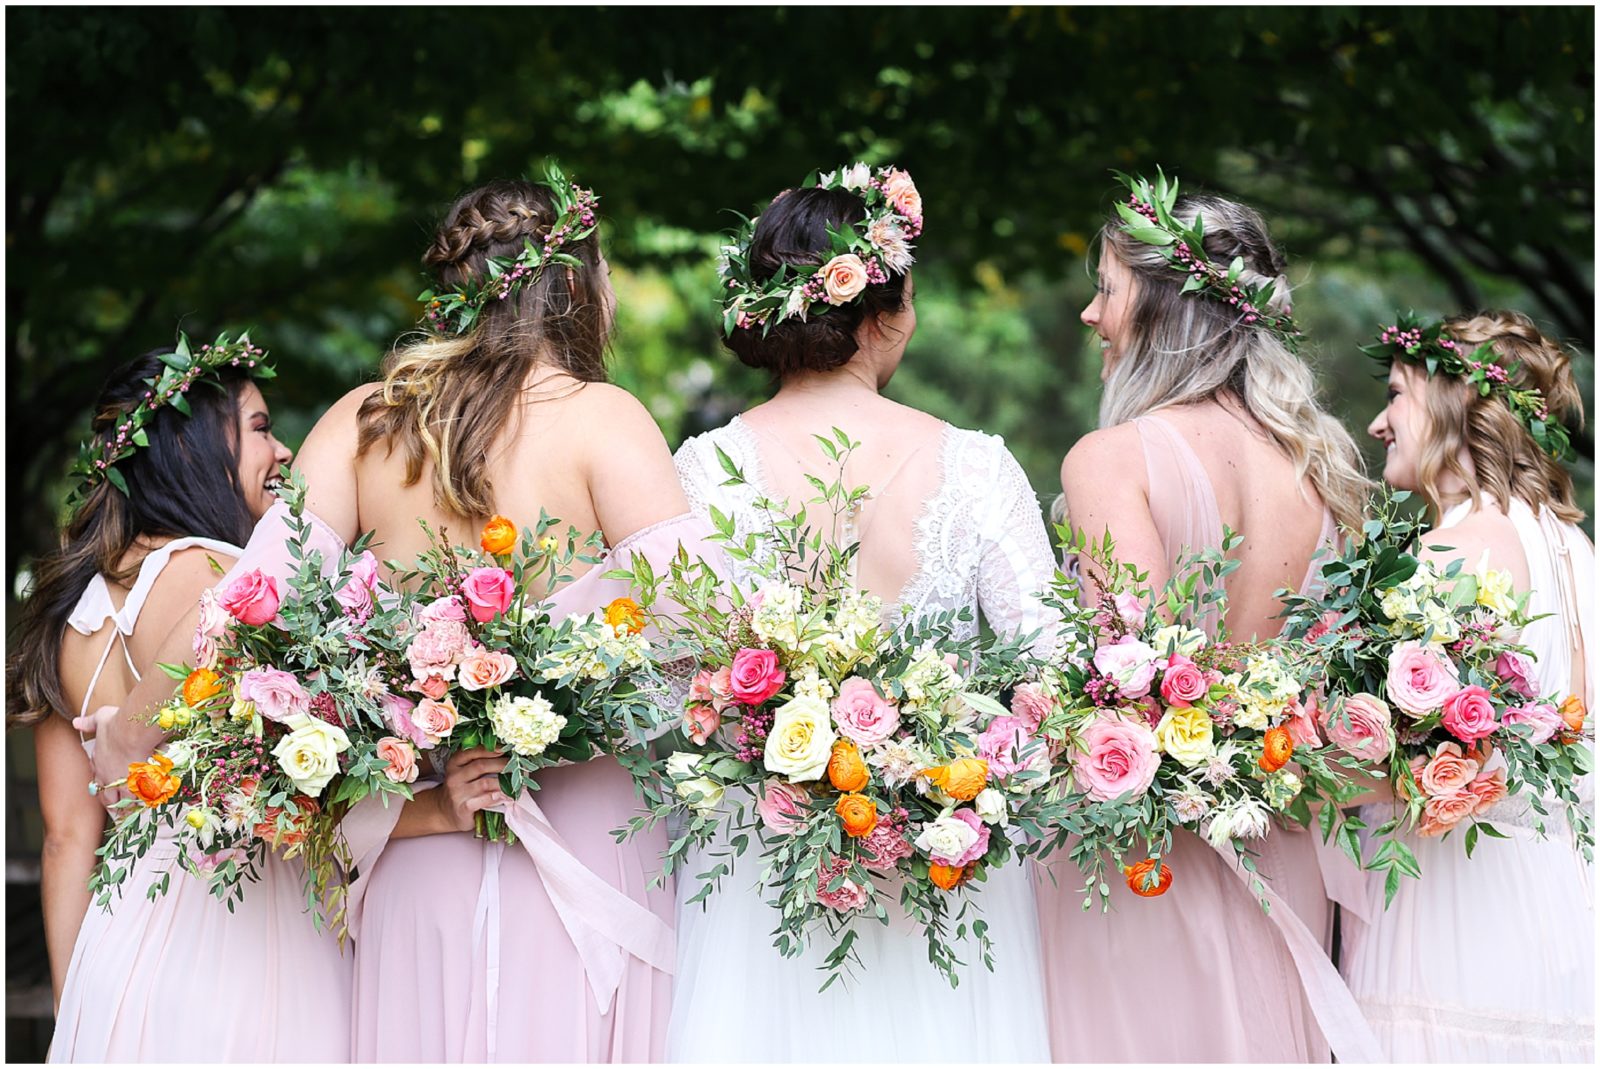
[846, 770]
[201, 685]
[626, 614]
[152, 781]
[299, 825]
[949, 877]
[1572, 713]
[1136, 876]
[857, 813]
[499, 536]
[961, 779]
[1276, 749]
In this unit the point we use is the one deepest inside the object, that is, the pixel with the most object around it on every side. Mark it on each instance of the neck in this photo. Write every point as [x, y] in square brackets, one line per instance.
[852, 381]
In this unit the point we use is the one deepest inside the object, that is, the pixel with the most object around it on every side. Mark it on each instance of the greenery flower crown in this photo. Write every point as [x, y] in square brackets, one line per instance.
[1430, 346]
[1147, 217]
[456, 311]
[185, 366]
[868, 252]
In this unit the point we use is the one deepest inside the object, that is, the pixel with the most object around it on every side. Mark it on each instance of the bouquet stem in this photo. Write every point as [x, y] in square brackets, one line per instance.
[492, 826]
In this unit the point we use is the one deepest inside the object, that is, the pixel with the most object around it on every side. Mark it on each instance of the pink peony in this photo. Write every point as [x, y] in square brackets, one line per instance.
[1420, 680]
[1518, 672]
[397, 714]
[1469, 714]
[782, 806]
[1129, 663]
[401, 757]
[1031, 706]
[1121, 759]
[1447, 771]
[755, 676]
[700, 720]
[1487, 789]
[1002, 744]
[849, 896]
[436, 719]
[1542, 717]
[1361, 725]
[862, 714]
[356, 594]
[1443, 812]
[252, 598]
[488, 592]
[483, 668]
[278, 695]
[1182, 682]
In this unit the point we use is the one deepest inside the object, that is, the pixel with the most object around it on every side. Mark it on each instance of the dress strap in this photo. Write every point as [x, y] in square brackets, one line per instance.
[1183, 503]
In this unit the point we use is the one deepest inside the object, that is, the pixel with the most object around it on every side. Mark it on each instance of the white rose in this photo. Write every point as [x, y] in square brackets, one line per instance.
[1175, 638]
[946, 837]
[527, 725]
[309, 754]
[990, 806]
[801, 739]
[699, 791]
[856, 177]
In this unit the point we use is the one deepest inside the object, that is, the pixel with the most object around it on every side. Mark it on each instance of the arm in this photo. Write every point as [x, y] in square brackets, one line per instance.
[73, 825]
[1106, 489]
[327, 460]
[471, 782]
[631, 477]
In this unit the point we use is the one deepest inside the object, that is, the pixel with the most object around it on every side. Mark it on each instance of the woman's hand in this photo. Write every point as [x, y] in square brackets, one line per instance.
[118, 743]
[471, 783]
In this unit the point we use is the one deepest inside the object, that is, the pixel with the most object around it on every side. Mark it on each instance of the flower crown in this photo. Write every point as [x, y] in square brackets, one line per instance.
[1147, 217]
[866, 253]
[185, 366]
[456, 311]
[1430, 346]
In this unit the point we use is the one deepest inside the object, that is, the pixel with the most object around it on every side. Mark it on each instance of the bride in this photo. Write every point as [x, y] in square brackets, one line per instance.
[951, 522]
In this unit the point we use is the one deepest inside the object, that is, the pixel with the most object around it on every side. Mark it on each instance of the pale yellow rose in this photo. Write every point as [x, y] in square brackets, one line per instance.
[309, 754]
[1186, 735]
[1495, 591]
[801, 739]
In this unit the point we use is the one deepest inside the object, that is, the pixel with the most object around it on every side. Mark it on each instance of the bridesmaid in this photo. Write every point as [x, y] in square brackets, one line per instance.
[1521, 987]
[1226, 421]
[157, 980]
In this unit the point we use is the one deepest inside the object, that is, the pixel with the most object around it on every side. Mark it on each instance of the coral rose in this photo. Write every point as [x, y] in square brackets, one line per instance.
[1488, 788]
[152, 781]
[700, 721]
[857, 813]
[402, 759]
[252, 598]
[844, 277]
[201, 685]
[295, 832]
[846, 770]
[483, 668]
[1276, 749]
[961, 779]
[499, 536]
[1448, 771]
[1138, 877]
[1469, 714]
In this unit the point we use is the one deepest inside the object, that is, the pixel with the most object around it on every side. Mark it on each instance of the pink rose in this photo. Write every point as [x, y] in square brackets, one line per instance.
[1542, 717]
[444, 609]
[1129, 663]
[436, 718]
[1443, 812]
[483, 668]
[1469, 714]
[1182, 683]
[862, 714]
[488, 592]
[1324, 625]
[397, 714]
[1302, 721]
[401, 757]
[700, 720]
[979, 847]
[356, 594]
[1420, 679]
[755, 676]
[252, 598]
[1129, 608]
[901, 191]
[714, 688]
[205, 649]
[1002, 743]
[782, 806]
[1121, 759]
[1361, 725]
[1447, 771]
[434, 687]
[278, 695]
[1031, 706]
[213, 621]
[848, 897]
[1487, 789]
[1518, 672]
[843, 277]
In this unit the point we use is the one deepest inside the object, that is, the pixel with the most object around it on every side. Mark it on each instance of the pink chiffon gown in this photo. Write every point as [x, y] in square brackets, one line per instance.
[1199, 974]
[554, 949]
[180, 978]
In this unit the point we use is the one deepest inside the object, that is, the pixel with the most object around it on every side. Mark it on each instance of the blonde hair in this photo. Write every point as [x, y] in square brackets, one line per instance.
[1506, 461]
[445, 399]
[1182, 348]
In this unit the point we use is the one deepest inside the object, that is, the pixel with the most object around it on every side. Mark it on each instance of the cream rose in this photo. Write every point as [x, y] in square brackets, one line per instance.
[844, 277]
[699, 791]
[309, 754]
[1495, 591]
[1174, 638]
[1185, 734]
[801, 739]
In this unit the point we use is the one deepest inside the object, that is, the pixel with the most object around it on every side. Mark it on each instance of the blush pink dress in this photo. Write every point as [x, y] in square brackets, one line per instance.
[1199, 974]
[555, 949]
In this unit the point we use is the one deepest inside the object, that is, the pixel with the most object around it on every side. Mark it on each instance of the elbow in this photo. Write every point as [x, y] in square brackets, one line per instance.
[71, 839]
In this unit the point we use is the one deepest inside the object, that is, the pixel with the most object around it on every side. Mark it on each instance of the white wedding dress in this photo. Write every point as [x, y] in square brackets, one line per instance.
[979, 541]
[1492, 959]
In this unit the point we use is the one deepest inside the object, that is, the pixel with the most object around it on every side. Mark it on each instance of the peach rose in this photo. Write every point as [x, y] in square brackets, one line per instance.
[1488, 788]
[1443, 812]
[436, 719]
[434, 687]
[844, 277]
[484, 668]
[902, 193]
[401, 757]
[1572, 712]
[700, 720]
[499, 536]
[1448, 771]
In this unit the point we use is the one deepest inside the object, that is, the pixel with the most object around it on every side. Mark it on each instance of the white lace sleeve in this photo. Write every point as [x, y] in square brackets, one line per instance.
[692, 473]
[1016, 564]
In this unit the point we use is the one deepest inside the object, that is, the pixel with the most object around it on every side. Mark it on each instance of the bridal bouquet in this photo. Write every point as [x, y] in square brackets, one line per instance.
[1426, 677]
[1165, 729]
[492, 666]
[861, 755]
[284, 721]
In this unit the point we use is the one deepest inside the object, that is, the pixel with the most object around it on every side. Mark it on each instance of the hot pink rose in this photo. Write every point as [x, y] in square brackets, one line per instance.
[1420, 679]
[1361, 725]
[1002, 743]
[1182, 683]
[1443, 812]
[755, 676]
[1129, 663]
[252, 598]
[700, 720]
[1031, 706]
[483, 668]
[782, 806]
[1121, 759]
[1542, 717]
[1469, 714]
[1518, 672]
[848, 897]
[401, 757]
[397, 714]
[356, 594]
[1487, 789]
[278, 695]
[488, 592]
[862, 714]
[437, 719]
[1447, 771]
[1302, 721]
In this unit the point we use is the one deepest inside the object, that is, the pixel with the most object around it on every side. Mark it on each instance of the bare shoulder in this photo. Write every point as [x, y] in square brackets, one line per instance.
[1108, 454]
[1485, 530]
[188, 573]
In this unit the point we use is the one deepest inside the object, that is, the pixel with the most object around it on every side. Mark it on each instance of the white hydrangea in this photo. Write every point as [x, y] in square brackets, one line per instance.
[527, 725]
[928, 676]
